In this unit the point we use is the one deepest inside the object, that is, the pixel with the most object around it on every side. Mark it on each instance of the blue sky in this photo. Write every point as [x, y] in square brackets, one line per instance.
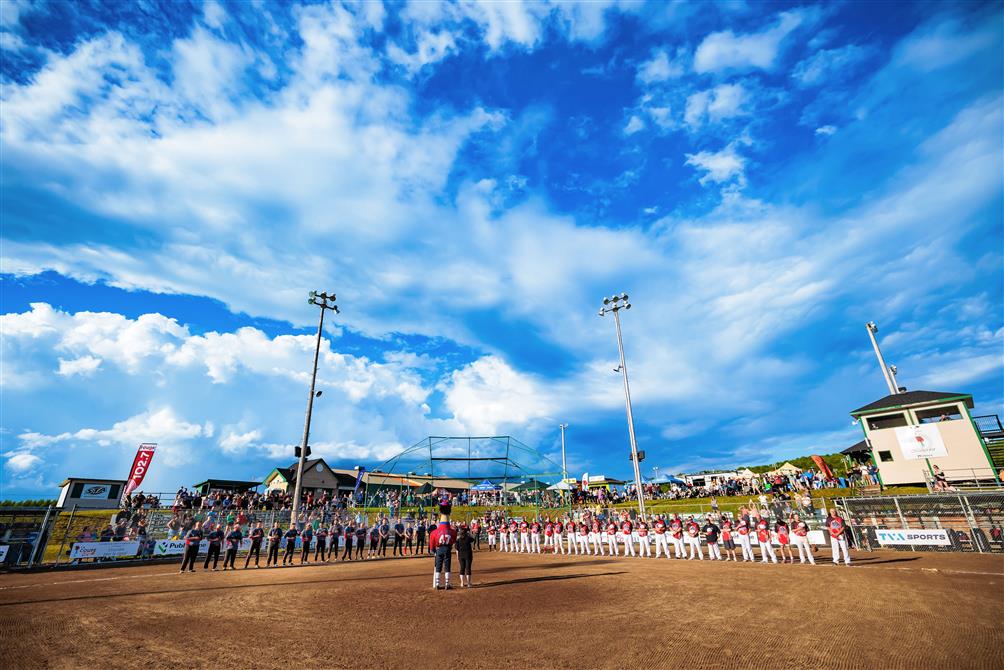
[471, 179]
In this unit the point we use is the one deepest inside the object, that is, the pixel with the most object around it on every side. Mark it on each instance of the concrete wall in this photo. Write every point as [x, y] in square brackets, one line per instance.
[965, 452]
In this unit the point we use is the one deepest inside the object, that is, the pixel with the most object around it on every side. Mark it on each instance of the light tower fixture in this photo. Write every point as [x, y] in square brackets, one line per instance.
[887, 373]
[324, 302]
[613, 305]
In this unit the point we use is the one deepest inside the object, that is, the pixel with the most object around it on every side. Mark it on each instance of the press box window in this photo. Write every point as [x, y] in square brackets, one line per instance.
[949, 413]
[887, 421]
[885, 456]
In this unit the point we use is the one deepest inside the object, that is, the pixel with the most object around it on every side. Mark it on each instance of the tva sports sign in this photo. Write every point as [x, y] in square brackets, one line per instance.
[140, 465]
[926, 538]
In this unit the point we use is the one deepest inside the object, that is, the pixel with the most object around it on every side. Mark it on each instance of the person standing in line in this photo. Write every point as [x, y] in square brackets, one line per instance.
[398, 538]
[321, 548]
[728, 541]
[215, 538]
[659, 531]
[535, 537]
[764, 540]
[409, 539]
[784, 539]
[374, 540]
[582, 537]
[290, 537]
[360, 538]
[643, 547]
[745, 541]
[193, 538]
[838, 540]
[348, 537]
[693, 536]
[558, 542]
[503, 537]
[476, 537]
[711, 532]
[800, 531]
[676, 535]
[234, 538]
[256, 534]
[549, 535]
[420, 537]
[596, 537]
[274, 539]
[384, 535]
[465, 553]
[612, 538]
[306, 537]
[524, 537]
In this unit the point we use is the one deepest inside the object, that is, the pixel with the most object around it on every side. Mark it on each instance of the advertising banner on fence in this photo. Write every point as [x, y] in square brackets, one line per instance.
[140, 465]
[918, 442]
[177, 547]
[925, 538]
[103, 549]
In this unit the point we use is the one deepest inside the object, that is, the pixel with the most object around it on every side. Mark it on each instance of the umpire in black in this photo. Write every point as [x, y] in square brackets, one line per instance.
[192, 540]
[256, 535]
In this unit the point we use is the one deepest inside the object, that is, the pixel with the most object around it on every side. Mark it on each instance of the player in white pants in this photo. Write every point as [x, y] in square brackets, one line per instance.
[582, 538]
[573, 545]
[559, 546]
[711, 531]
[676, 536]
[627, 538]
[491, 537]
[661, 540]
[745, 541]
[595, 538]
[693, 537]
[643, 547]
[838, 538]
[535, 537]
[764, 542]
[800, 535]
[524, 537]
[612, 539]
[513, 537]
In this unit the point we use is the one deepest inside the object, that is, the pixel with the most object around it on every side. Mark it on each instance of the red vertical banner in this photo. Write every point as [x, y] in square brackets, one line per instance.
[144, 456]
[823, 467]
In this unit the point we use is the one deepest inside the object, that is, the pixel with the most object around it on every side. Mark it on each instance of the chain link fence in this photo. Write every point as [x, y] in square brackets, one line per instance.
[974, 521]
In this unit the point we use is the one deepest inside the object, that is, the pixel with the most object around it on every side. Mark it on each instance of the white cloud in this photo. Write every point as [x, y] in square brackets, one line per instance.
[826, 130]
[431, 47]
[238, 442]
[661, 67]
[488, 394]
[721, 166]
[721, 102]
[21, 462]
[634, 125]
[829, 65]
[85, 365]
[727, 51]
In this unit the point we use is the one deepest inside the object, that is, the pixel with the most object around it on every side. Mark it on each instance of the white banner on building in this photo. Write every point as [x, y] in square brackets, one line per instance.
[95, 491]
[918, 442]
[103, 549]
[901, 537]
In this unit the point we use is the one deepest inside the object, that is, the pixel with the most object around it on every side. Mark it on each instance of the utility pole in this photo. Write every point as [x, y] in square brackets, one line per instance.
[614, 305]
[324, 302]
[886, 372]
[564, 470]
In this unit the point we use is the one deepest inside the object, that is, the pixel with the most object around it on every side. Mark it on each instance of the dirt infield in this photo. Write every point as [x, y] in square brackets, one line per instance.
[890, 610]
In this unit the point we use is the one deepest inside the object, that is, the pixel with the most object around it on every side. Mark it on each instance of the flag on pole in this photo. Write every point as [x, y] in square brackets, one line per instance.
[140, 465]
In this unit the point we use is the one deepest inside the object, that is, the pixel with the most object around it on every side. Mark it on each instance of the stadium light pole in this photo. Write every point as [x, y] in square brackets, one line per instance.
[886, 372]
[324, 302]
[564, 469]
[614, 305]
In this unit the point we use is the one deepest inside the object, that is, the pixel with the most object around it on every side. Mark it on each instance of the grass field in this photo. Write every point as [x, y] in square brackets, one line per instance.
[889, 610]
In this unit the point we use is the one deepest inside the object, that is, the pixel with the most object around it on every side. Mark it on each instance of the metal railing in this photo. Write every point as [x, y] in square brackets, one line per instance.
[963, 479]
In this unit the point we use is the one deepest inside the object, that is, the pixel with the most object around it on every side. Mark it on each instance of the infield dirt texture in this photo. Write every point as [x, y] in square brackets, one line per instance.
[890, 610]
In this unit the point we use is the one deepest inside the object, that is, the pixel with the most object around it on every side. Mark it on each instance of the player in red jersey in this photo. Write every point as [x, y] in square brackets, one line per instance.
[800, 532]
[728, 542]
[558, 544]
[513, 536]
[693, 538]
[535, 537]
[612, 539]
[661, 539]
[524, 537]
[596, 537]
[441, 542]
[627, 537]
[492, 535]
[764, 541]
[784, 539]
[838, 540]
[643, 548]
[548, 535]
[573, 545]
[745, 542]
[676, 536]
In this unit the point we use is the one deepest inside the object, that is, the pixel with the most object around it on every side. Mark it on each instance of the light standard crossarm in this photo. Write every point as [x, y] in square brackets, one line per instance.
[615, 305]
[324, 302]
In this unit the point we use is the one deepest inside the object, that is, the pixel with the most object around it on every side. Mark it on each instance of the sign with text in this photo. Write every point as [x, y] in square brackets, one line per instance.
[919, 442]
[103, 549]
[904, 537]
[140, 465]
[95, 491]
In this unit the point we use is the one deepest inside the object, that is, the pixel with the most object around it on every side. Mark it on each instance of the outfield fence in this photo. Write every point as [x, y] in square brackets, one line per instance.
[960, 521]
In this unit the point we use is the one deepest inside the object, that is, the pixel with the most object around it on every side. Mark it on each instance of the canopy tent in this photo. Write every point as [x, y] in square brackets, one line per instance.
[561, 486]
[670, 479]
[486, 486]
[425, 488]
[746, 473]
[665, 479]
[786, 469]
[531, 486]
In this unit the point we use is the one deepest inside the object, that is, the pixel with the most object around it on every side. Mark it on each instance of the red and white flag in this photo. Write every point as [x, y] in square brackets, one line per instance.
[144, 456]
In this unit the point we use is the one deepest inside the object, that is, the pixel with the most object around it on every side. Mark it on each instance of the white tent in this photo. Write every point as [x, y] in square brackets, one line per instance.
[560, 486]
[746, 473]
